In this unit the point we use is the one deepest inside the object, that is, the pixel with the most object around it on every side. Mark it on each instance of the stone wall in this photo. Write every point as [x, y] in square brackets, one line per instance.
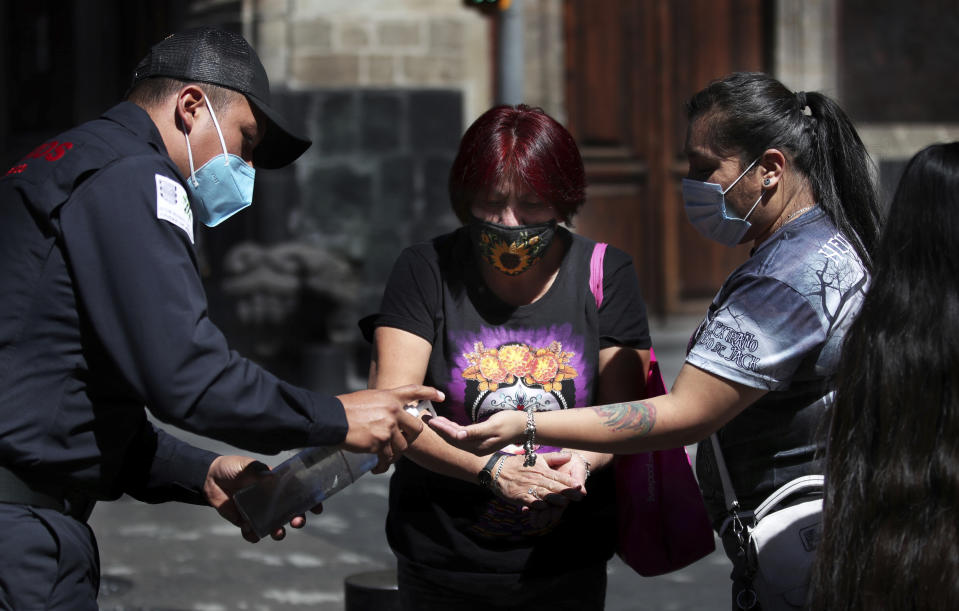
[814, 36]
[291, 276]
[308, 44]
[544, 62]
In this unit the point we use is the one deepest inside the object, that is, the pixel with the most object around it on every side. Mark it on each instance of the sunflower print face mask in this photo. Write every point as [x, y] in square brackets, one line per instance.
[511, 250]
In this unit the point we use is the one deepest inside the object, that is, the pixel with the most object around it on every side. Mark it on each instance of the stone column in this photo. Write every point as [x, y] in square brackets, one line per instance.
[805, 52]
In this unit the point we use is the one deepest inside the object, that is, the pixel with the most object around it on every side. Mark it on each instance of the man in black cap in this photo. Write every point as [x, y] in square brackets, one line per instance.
[103, 314]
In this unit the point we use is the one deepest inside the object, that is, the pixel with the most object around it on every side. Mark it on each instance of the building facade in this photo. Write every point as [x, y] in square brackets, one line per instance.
[386, 87]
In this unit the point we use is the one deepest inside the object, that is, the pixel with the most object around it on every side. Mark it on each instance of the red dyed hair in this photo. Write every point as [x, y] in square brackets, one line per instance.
[507, 144]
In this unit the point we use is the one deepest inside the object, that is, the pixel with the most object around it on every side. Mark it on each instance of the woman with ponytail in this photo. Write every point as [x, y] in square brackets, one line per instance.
[891, 509]
[786, 172]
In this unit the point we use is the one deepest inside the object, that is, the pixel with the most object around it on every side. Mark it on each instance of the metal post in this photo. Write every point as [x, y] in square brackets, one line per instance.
[372, 591]
[510, 54]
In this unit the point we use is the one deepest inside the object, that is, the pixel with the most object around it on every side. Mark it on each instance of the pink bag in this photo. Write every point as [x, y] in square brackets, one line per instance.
[661, 518]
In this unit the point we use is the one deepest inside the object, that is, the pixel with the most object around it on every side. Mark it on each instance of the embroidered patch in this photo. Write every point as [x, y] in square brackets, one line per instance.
[173, 204]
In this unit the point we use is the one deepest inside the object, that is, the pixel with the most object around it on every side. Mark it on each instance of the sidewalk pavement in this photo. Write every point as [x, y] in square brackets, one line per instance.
[175, 557]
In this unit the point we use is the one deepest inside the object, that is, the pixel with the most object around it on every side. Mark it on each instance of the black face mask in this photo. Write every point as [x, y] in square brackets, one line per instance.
[511, 250]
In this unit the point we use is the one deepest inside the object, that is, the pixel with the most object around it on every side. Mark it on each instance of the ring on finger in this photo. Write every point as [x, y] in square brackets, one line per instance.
[533, 494]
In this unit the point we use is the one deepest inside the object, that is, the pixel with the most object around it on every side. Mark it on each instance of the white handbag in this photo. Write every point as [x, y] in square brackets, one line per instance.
[779, 542]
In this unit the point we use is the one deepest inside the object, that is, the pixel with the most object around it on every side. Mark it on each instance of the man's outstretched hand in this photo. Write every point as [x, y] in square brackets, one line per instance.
[379, 423]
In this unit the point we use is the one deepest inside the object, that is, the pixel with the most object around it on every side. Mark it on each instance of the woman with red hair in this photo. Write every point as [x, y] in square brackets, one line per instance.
[499, 314]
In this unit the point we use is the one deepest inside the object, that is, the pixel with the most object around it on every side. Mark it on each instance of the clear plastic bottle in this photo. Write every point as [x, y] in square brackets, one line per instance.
[300, 483]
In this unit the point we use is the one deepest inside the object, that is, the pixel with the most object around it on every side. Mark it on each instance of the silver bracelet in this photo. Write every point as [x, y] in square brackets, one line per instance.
[530, 455]
[499, 468]
[585, 462]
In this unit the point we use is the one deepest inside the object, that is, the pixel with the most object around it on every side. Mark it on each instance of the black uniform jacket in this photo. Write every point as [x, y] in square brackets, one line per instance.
[103, 314]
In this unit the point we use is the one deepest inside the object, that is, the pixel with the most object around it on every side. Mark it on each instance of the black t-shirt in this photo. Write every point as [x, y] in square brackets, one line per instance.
[489, 356]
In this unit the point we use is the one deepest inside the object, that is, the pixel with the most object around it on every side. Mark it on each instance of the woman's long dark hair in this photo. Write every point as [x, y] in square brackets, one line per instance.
[750, 112]
[891, 510]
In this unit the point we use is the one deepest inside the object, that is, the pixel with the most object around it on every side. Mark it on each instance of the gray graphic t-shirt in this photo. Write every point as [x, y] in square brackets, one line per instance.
[778, 323]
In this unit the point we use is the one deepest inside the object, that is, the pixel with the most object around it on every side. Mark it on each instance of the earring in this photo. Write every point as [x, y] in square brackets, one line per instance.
[766, 183]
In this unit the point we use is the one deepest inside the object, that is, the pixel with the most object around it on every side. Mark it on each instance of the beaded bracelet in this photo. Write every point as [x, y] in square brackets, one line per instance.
[530, 455]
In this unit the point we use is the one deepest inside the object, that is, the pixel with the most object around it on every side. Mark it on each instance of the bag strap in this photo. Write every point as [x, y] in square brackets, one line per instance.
[596, 272]
[800, 485]
[735, 517]
[654, 382]
[728, 491]
[746, 599]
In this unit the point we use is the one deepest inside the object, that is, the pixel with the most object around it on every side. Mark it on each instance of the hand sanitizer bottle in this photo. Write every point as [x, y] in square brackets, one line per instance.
[300, 483]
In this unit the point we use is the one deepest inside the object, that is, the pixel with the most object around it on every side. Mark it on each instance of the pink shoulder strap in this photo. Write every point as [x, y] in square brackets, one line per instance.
[596, 287]
[596, 272]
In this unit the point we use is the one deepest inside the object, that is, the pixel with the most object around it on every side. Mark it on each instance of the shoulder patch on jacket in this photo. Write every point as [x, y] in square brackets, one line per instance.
[173, 204]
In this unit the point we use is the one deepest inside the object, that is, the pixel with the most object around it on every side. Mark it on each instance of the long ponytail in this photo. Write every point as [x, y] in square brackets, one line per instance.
[841, 174]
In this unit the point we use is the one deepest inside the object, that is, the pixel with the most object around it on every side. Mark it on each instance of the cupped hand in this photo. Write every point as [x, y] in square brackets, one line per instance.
[499, 430]
[229, 474]
[378, 421]
[574, 468]
[538, 486]
[566, 463]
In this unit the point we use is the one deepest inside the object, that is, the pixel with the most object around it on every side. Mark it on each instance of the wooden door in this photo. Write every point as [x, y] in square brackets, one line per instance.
[630, 66]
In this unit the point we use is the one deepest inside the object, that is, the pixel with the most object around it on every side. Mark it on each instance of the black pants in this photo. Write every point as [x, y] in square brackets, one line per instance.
[425, 589]
[49, 560]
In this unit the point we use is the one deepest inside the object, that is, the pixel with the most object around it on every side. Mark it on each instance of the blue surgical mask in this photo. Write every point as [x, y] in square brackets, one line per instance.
[705, 204]
[222, 186]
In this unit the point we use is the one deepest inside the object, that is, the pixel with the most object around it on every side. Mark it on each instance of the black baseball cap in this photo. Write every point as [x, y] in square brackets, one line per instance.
[213, 55]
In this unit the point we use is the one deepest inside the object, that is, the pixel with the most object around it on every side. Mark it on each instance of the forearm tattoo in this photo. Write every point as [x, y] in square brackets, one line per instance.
[634, 416]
